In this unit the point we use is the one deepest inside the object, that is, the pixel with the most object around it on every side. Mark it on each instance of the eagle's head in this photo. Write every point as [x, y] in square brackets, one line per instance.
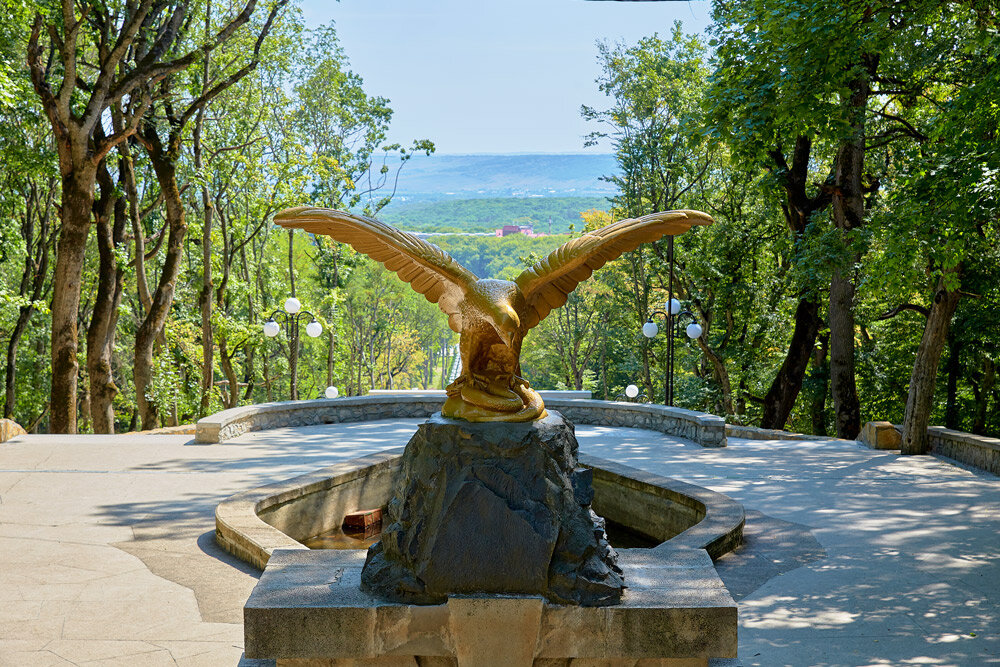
[499, 301]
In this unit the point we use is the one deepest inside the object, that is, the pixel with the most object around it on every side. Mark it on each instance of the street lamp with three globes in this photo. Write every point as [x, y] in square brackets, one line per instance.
[672, 314]
[292, 316]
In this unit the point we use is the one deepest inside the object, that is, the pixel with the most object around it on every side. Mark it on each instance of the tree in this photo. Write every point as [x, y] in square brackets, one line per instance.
[175, 108]
[952, 193]
[655, 89]
[841, 81]
[106, 54]
[30, 185]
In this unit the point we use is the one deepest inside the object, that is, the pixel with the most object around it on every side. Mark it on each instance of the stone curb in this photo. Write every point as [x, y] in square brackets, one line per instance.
[755, 433]
[720, 527]
[239, 528]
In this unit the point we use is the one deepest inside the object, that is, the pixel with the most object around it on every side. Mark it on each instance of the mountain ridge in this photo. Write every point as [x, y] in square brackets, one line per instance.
[469, 176]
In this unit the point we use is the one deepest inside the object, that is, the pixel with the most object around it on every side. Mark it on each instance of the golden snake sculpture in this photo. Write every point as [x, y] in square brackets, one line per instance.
[491, 316]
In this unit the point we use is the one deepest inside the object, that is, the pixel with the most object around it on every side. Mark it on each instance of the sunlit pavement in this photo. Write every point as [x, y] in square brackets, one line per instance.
[853, 556]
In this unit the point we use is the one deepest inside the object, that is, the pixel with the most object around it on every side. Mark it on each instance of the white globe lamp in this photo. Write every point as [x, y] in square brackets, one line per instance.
[631, 391]
[649, 329]
[271, 328]
[314, 329]
[292, 305]
[694, 330]
[673, 306]
[331, 392]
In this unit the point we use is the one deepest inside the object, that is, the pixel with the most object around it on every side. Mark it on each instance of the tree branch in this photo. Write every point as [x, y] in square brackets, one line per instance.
[904, 306]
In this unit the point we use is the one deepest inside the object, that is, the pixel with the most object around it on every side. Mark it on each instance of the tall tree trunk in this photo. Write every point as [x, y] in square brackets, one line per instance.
[721, 374]
[920, 398]
[843, 386]
[205, 299]
[983, 392]
[952, 419]
[23, 315]
[232, 398]
[156, 317]
[75, 209]
[104, 319]
[266, 372]
[33, 280]
[798, 209]
[780, 398]
[821, 384]
[848, 208]
[127, 167]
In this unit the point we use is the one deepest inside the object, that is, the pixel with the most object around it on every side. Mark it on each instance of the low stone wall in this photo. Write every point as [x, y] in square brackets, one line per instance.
[978, 451]
[262, 416]
[975, 450]
[704, 429]
[699, 427]
[251, 525]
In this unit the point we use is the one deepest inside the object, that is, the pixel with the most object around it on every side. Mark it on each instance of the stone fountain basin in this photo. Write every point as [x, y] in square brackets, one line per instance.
[307, 608]
[253, 524]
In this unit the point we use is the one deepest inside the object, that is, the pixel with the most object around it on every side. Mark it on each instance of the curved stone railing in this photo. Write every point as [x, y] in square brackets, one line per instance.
[252, 524]
[704, 429]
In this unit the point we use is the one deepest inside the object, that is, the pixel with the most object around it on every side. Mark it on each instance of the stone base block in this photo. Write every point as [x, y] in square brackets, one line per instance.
[450, 662]
[880, 435]
[308, 610]
[10, 429]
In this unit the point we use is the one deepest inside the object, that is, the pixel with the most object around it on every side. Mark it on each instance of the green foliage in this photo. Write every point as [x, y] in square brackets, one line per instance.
[490, 213]
[655, 88]
[498, 257]
[689, 128]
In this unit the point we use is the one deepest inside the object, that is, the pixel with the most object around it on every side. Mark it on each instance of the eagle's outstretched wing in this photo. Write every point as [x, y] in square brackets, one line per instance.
[429, 270]
[548, 283]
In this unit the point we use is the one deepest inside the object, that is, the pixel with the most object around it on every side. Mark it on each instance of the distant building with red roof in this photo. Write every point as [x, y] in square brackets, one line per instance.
[526, 230]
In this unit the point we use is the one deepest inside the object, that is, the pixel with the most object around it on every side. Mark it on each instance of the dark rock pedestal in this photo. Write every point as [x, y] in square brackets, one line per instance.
[493, 508]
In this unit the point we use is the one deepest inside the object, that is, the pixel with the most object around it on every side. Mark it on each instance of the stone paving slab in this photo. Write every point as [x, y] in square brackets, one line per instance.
[854, 556]
[107, 555]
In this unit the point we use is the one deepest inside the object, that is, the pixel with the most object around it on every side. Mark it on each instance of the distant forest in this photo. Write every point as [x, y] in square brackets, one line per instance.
[487, 214]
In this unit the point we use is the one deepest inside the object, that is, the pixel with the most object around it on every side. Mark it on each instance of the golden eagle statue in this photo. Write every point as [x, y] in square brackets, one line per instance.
[491, 316]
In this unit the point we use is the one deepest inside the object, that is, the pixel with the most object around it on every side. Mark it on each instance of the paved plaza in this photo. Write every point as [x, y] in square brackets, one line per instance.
[853, 556]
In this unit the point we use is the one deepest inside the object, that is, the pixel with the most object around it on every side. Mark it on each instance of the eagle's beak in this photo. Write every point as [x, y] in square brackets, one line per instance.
[509, 323]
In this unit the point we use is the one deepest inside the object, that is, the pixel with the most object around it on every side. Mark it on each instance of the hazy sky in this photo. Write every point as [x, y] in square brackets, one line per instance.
[490, 76]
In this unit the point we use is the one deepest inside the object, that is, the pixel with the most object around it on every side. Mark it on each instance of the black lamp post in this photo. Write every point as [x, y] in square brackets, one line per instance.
[673, 315]
[292, 316]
